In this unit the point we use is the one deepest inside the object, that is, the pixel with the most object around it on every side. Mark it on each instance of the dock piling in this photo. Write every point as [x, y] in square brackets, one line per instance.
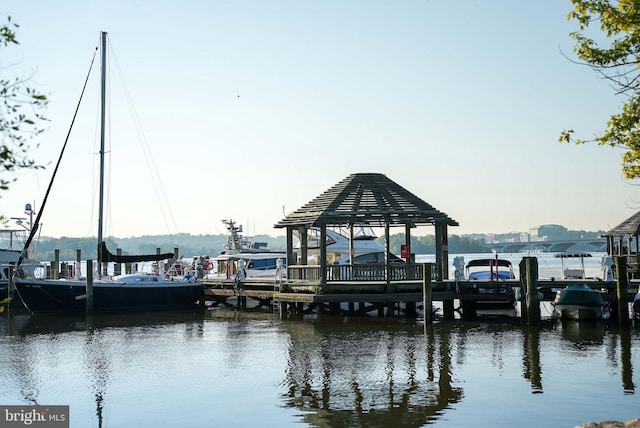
[89, 299]
[622, 290]
[427, 293]
[531, 285]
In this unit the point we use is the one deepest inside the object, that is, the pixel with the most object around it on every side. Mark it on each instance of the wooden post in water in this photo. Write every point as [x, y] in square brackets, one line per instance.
[89, 299]
[427, 293]
[78, 263]
[55, 268]
[11, 286]
[622, 290]
[176, 257]
[531, 279]
[524, 311]
[117, 267]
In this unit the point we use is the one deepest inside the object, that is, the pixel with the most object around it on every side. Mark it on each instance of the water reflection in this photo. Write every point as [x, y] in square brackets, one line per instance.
[331, 371]
[359, 373]
[581, 335]
[346, 372]
[39, 346]
[97, 367]
[532, 370]
[55, 324]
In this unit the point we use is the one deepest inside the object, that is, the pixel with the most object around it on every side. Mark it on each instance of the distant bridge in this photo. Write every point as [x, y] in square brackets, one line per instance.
[576, 245]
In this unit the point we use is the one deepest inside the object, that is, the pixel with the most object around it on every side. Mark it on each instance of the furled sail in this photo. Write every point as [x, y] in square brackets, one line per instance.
[107, 257]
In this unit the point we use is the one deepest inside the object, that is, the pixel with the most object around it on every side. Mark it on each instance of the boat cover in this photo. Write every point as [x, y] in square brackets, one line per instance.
[579, 294]
[107, 257]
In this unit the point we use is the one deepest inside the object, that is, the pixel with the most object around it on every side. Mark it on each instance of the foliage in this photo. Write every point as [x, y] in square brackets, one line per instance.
[20, 111]
[427, 244]
[615, 60]
[188, 245]
[202, 245]
[45, 248]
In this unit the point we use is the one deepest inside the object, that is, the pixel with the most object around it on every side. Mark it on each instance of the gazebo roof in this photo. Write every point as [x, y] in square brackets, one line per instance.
[629, 227]
[366, 199]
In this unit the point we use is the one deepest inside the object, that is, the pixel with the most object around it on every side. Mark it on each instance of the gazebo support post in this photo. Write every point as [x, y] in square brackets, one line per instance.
[323, 255]
[290, 259]
[442, 263]
[304, 245]
[387, 258]
[351, 249]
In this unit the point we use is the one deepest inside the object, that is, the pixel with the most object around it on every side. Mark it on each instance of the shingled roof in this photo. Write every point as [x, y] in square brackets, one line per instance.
[366, 199]
[629, 227]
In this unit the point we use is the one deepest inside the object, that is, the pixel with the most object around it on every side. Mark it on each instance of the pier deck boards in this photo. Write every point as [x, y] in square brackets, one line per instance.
[395, 292]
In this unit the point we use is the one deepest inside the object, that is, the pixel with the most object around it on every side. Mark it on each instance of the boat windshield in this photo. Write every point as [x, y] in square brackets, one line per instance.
[313, 238]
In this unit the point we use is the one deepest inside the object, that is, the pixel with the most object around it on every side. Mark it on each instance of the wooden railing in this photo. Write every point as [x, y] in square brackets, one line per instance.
[358, 272]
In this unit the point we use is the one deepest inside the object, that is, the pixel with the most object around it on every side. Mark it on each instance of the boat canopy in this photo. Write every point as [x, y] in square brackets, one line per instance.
[571, 255]
[488, 262]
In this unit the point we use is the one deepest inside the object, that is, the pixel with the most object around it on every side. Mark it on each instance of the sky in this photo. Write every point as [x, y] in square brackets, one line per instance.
[250, 109]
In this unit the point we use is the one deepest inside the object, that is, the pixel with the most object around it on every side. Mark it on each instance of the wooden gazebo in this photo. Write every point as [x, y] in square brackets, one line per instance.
[622, 240]
[369, 200]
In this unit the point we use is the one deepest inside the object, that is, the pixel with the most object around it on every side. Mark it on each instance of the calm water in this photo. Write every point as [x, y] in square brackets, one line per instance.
[250, 369]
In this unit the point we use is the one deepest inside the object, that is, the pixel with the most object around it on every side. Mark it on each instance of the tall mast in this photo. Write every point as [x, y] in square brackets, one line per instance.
[103, 73]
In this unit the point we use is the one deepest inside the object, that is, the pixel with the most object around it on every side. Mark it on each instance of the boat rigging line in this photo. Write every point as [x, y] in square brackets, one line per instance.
[34, 226]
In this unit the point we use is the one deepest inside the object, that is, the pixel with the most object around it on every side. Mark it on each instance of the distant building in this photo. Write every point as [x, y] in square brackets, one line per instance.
[539, 234]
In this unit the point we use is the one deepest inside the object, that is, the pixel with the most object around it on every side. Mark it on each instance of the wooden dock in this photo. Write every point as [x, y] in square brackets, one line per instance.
[393, 298]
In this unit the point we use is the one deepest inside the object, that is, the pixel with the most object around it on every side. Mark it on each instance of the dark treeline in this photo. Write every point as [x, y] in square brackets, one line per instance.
[427, 244]
[201, 245]
[187, 245]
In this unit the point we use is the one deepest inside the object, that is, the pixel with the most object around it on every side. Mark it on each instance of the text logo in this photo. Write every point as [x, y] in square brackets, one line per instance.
[34, 416]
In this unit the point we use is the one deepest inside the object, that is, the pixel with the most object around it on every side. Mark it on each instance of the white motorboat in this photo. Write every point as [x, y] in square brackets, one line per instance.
[494, 272]
[489, 269]
[255, 262]
[244, 259]
[366, 248]
[569, 271]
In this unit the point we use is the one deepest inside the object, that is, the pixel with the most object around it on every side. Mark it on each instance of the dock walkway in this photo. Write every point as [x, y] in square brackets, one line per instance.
[385, 298]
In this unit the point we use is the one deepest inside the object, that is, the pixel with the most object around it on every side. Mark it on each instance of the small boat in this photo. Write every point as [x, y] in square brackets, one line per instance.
[579, 302]
[131, 292]
[572, 272]
[13, 236]
[636, 306]
[490, 269]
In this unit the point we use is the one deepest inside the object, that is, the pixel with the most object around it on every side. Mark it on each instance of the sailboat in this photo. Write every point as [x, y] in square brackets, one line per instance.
[129, 292]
